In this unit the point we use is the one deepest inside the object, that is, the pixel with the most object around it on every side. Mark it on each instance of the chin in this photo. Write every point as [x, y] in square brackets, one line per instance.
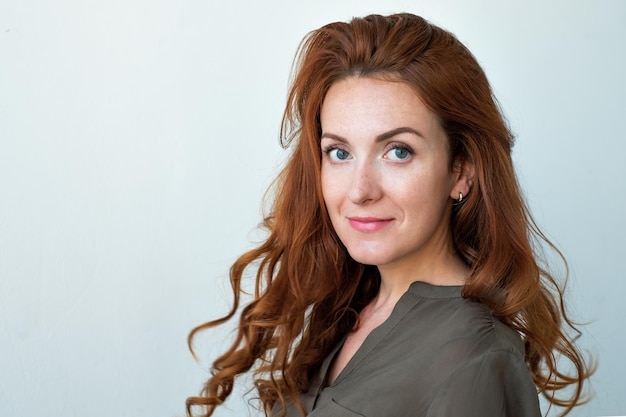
[367, 258]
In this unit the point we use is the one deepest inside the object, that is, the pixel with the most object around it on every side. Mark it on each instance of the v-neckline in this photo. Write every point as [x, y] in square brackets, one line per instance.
[403, 305]
[417, 290]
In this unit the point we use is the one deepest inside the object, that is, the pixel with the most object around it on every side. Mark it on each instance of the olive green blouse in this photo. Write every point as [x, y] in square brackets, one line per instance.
[437, 354]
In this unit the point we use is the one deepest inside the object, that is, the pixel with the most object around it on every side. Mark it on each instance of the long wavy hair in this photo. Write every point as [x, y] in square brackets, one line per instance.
[309, 291]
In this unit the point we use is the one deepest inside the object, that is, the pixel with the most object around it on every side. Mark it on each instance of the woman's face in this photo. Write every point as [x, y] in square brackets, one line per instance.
[386, 175]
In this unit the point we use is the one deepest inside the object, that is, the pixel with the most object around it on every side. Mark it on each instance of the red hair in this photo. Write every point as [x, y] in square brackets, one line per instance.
[309, 291]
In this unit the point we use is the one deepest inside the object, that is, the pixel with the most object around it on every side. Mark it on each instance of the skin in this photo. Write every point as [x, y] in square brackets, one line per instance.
[388, 187]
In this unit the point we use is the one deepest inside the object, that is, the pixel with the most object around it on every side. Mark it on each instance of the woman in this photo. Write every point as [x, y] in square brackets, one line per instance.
[399, 277]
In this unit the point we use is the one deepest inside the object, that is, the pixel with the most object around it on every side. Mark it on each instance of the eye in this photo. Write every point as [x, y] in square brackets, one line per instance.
[399, 153]
[336, 154]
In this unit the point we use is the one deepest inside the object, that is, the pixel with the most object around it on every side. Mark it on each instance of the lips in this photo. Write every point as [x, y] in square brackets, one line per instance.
[368, 224]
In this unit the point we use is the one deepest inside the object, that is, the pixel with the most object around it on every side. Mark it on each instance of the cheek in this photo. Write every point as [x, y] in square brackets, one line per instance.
[328, 189]
[419, 188]
[334, 193]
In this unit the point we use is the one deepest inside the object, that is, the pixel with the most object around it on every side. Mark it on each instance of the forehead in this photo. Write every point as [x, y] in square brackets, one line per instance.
[365, 104]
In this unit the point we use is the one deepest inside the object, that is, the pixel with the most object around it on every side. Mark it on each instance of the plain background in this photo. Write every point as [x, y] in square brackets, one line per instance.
[137, 138]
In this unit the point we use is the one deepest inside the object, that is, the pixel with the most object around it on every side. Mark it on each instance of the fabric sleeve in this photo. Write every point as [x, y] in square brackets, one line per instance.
[495, 384]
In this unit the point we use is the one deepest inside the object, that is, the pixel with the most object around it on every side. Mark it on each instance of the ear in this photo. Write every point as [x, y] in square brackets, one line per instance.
[464, 179]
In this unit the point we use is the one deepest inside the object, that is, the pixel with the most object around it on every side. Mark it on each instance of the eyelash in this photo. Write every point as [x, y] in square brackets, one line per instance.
[402, 146]
[328, 149]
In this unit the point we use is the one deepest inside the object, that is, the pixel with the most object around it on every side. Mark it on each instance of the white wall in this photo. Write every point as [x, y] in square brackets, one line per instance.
[137, 138]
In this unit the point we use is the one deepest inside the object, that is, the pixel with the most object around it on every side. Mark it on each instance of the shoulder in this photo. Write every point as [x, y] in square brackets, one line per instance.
[483, 361]
[450, 318]
[457, 333]
[479, 365]
[494, 383]
[476, 322]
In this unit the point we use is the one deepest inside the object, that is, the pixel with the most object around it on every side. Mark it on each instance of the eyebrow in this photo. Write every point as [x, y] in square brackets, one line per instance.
[380, 138]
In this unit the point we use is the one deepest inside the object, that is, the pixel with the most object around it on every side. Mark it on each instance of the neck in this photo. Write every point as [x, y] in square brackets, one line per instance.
[448, 270]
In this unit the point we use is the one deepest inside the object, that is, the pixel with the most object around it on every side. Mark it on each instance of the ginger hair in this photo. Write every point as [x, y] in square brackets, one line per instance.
[309, 292]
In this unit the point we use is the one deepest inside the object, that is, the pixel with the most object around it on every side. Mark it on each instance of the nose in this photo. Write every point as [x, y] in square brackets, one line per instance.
[365, 183]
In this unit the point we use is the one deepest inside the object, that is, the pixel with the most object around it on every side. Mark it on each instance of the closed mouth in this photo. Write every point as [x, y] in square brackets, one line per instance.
[368, 224]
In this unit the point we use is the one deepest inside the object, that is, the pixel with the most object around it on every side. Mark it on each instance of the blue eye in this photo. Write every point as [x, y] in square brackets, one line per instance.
[399, 153]
[338, 154]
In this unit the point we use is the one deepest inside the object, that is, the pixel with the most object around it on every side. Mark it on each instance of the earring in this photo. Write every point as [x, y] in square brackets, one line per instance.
[460, 197]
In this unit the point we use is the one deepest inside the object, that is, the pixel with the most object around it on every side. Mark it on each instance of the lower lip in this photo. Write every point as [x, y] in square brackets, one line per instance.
[368, 226]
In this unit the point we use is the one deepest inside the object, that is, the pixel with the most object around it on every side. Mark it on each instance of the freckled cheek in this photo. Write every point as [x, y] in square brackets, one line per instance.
[402, 182]
[416, 188]
[329, 190]
[334, 191]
